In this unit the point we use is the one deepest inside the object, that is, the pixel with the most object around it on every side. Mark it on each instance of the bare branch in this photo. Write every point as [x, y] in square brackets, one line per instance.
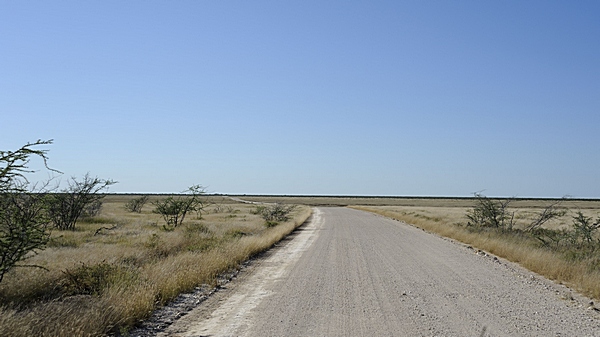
[551, 211]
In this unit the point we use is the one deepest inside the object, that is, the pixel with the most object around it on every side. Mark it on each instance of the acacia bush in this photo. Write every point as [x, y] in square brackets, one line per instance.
[136, 205]
[490, 213]
[23, 217]
[24, 227]
[275, 213]
[578, 242]
[174, 209]
[67, 206]
[584, 232]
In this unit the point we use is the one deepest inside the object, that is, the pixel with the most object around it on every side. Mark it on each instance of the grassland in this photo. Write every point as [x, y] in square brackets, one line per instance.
[117, 267]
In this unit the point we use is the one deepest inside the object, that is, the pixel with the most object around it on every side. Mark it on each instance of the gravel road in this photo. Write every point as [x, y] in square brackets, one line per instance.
[351, 273]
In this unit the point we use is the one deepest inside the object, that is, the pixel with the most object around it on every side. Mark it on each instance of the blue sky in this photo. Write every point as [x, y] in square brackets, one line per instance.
[427, 98]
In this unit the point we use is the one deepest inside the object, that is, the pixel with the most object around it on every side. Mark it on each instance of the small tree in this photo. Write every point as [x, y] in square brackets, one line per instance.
[66, 207]
[23, 220]
[585, 228]
[24, 227]
[274, 213]
[490, 213]
[174, 208]
[136, 205]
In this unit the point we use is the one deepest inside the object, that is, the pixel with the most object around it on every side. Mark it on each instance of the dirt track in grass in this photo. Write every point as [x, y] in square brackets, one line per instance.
[351, 273]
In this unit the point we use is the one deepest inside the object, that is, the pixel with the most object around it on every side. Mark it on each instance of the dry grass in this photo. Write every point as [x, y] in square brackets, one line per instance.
[446, 221]
[115, 269]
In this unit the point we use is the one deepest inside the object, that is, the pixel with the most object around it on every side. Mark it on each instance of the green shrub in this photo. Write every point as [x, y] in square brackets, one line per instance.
[23, 219]
[490, 213]
[136, 205]
[24, 227]
[66, 207]
[275, 213]
[174, 209]
[585, 229]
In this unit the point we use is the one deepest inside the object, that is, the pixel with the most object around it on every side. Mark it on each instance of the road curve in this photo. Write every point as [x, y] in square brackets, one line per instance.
[351, 273]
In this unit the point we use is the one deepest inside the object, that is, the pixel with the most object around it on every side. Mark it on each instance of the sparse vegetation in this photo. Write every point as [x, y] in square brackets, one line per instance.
[96, 285]
[119, 265]
[492, 213]
[108, 269]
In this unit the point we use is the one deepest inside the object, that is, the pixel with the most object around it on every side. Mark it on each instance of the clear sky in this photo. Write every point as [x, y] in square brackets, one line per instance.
[416, 98]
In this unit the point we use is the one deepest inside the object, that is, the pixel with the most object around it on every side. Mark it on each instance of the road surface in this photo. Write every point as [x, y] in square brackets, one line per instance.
[352, 273]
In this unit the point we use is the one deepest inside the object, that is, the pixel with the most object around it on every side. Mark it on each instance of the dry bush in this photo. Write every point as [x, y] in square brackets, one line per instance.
[274, 213]
[101, 282]
[81, 198]
[137, 204]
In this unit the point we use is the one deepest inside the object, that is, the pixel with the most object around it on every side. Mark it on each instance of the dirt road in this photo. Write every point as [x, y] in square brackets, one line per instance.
[351, 273]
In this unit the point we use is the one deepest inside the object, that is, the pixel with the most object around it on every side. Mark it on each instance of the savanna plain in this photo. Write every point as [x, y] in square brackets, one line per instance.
[115, 268]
